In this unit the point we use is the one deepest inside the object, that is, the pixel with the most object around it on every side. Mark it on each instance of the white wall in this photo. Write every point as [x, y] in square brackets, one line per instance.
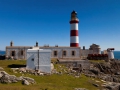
[110, 55]
[78, 52]
[41, 62]
[45, 61]
[31, 64]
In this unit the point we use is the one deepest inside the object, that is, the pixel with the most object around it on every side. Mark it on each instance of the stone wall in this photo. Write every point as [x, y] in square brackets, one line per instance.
[84, 53]
[96, 49]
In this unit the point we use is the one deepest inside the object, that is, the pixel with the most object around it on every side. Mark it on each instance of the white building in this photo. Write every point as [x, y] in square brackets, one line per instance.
[110, 53]
[20, 52]
[39, 59]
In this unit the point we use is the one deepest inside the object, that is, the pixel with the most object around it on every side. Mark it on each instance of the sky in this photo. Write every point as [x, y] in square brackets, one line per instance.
[47, 21]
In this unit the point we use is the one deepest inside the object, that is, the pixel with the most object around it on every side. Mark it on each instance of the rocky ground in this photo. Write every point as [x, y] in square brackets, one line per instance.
[6, 78]
[108, 72]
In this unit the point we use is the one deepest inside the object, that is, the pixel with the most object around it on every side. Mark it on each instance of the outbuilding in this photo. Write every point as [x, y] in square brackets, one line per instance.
[39, 59]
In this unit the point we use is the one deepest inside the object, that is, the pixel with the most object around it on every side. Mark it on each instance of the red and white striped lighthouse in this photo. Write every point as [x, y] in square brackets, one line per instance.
[74, 37]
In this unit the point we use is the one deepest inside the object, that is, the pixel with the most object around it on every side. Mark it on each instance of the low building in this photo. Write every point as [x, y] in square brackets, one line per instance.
[39, 59]
[59, 52]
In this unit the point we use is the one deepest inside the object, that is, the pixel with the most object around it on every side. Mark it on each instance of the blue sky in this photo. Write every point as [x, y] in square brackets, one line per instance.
[47, 21]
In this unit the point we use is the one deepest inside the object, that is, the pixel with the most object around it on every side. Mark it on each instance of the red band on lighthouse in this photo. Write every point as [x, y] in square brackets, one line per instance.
[74, 21]
[74, 44]
[74, 33]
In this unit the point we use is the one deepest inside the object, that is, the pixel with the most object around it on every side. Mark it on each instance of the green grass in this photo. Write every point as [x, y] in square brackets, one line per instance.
[49, 82]
[97, 61]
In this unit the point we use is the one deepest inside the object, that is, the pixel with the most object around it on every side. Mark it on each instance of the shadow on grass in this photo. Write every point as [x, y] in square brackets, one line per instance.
[16, 66]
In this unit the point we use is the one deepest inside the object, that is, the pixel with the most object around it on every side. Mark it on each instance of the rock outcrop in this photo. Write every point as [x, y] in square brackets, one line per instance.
[6, 78]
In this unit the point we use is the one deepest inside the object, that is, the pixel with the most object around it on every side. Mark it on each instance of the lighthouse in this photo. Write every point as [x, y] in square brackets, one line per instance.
[74, 37]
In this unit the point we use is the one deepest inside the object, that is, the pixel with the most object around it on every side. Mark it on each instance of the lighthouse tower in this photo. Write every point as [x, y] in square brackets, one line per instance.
[74, 37]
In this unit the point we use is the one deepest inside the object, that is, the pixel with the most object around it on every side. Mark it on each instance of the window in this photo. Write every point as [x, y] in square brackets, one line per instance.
[13, 53]
[21, 52]
[73, 53]
[32, 59]
[64, 53]
[55, 53]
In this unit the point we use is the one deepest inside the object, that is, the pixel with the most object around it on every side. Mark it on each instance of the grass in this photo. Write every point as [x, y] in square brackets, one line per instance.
[50, 82]
[97, 61]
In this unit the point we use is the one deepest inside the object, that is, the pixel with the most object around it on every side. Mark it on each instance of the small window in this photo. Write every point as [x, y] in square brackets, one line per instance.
[22, 52]
[64, 53]
[13, 53]
[55, 53]
[32, 59]
[73, 53]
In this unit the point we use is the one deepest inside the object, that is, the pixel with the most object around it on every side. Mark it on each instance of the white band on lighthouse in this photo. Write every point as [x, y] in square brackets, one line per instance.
[74, 39]
[74, 26]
